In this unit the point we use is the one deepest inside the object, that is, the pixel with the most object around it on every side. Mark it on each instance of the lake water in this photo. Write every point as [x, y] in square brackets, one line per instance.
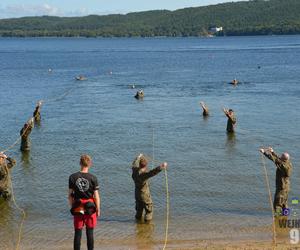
[216, 183]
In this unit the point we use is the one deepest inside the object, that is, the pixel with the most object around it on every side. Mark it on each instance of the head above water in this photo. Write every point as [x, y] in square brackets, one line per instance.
[143, 162]
[285, 156]
[85, 161]
[2, 157]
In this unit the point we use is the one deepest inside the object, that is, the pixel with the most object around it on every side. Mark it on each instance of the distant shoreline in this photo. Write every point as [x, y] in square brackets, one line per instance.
[245, 18]
[147, 37]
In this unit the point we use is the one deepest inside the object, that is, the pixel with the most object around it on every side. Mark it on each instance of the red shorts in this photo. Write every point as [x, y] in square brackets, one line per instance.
[89, 220]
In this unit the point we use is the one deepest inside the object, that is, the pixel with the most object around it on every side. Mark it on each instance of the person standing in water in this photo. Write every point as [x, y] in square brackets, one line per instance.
[283, 173]
[37, 112]
[140, 176]
[205, 109]
[24, 133]
[231, 122]
[6, 163]
[84, 200]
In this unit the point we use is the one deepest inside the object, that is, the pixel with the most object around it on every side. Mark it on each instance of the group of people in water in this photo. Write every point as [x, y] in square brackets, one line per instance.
[282, 163]
[6, 163]
[84, 197]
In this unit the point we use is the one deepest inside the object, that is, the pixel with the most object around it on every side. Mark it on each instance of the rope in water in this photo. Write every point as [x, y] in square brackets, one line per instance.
[9, 175]
[16, 141]
[59, 98]
[22, 211]
[167, 195]
[270, 199]
[167, 210]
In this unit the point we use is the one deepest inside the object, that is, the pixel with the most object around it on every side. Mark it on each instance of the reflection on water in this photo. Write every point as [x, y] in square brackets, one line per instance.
[25, 158]
[144, 235]
[7, 225]
[231, 141]
[215, 180]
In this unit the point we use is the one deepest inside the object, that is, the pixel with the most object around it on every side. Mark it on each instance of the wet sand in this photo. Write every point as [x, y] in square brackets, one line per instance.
[174, 244]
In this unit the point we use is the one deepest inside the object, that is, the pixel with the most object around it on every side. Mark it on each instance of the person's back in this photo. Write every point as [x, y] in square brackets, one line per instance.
[140, 176]
[283, 172]
[24, 133]
[84, 201]
[6, 163]
[231, 122]
[37, 112]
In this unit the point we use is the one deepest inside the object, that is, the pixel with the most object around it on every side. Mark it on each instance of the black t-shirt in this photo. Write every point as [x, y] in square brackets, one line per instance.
[83, 184]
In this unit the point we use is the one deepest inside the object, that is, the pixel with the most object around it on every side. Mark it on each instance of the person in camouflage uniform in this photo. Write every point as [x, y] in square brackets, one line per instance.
[24, 133]
[283, 173]
[140, 175]
[37, 112]
[6, 163]
[231, 122]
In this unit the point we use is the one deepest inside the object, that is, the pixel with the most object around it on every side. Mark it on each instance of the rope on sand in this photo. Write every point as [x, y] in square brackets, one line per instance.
[270, 199]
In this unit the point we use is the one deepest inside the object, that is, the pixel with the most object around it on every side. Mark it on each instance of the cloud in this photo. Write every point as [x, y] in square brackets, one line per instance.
[21, 10]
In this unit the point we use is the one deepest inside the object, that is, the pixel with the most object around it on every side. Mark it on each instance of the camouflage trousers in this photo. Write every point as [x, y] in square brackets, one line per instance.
[280, 200]
[140, 207]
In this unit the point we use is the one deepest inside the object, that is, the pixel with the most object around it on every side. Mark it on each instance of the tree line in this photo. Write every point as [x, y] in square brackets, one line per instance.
[256, 17]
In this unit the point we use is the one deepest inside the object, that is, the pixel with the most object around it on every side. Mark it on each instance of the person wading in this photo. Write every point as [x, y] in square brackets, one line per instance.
[6, 163]
[205, 109]
[283, 172]
[37, 112]
[231, 122]
[24, 133]
[140, 176]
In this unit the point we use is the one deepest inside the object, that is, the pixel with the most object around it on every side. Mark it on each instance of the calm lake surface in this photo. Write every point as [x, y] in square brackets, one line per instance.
[217, 186]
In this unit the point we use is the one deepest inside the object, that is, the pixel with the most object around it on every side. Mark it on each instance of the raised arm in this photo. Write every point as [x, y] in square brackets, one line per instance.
[11, 162]
[270, 154]
[153, 172]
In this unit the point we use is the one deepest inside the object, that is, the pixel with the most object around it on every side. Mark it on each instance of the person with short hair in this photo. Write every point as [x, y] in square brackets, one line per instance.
[84, 200]
[231, 122]
[283, 172]
[6, 163]
[140, 176]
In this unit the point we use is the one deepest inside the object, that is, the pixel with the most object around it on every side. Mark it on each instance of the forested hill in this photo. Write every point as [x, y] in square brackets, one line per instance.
[256, 17]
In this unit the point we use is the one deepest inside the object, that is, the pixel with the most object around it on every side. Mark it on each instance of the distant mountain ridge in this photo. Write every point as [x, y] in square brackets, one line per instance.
[256, 17]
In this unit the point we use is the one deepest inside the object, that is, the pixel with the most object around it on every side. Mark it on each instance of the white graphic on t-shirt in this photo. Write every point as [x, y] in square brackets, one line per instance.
[82, 184]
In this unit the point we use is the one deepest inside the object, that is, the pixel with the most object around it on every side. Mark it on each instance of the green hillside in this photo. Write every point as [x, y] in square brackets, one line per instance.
[257, 17]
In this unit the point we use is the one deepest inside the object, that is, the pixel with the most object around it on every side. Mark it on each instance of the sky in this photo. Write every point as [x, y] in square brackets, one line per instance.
[19, 8]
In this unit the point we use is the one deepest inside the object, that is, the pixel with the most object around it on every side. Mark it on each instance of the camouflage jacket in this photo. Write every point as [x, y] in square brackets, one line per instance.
[231, 123]
[142, 190]
[26, 132]
[283, 172]
[4, 168]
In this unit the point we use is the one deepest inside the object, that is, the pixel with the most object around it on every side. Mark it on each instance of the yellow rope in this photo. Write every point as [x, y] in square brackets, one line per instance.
[270, 199]
[17, 141]
[22, 211]
[167, 195]
[167, 210]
